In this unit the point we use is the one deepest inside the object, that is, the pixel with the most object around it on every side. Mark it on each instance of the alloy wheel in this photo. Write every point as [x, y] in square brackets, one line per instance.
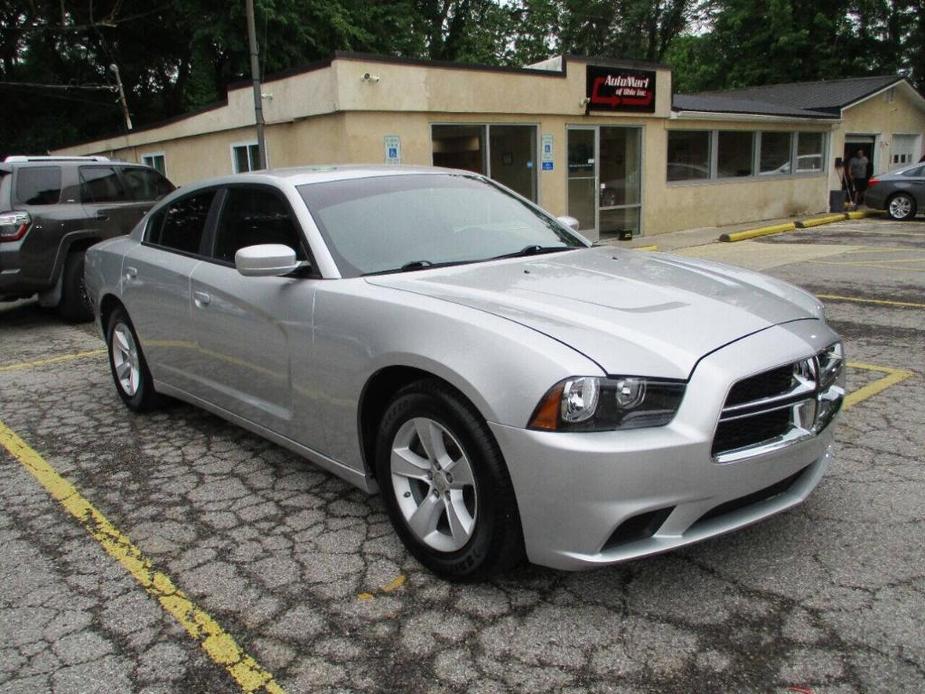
[125, 359]
[434, 484]
[900, 206]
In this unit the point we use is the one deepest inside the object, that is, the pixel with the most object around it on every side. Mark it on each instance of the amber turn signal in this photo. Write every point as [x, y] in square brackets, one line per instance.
[546, 414]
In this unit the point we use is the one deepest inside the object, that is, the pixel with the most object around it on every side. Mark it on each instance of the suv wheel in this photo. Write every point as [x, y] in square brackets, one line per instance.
[445, 485]
[75, 304]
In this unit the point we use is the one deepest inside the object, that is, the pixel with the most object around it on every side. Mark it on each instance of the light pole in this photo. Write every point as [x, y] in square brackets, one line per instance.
[255, 76]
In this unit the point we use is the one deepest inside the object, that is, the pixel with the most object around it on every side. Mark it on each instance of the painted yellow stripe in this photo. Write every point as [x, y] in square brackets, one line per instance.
[861, 214]
[760, 231]
[893, 376]
[645, 248]
[218, 644]
[878, 261]
[52, 360]
[859, 300]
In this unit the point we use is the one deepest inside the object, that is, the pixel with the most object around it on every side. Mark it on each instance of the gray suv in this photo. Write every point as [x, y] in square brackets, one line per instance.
[52, 209]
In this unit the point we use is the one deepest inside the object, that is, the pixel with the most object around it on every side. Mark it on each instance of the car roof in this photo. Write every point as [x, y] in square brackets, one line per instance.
[301, 175]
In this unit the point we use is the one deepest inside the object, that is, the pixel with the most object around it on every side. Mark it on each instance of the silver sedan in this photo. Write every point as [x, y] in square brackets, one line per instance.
[511, 390]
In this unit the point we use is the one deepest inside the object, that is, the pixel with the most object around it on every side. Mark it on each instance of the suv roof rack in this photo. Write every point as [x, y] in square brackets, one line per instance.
[18, 158]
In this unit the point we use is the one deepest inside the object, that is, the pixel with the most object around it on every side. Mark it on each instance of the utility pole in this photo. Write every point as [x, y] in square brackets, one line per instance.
[122, 101]
[255, 75]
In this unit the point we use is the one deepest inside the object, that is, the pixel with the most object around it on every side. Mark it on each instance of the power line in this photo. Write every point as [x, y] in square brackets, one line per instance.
[36, 85]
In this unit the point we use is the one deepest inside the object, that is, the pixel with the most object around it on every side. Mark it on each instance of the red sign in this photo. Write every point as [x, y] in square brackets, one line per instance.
[619, 89]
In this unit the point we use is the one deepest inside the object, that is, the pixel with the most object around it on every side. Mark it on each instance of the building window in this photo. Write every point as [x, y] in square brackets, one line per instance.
[244, 157]
[688, 155]
[735, 153]
[156, 160]
[809, 151]
[775, 153]
[504, 153]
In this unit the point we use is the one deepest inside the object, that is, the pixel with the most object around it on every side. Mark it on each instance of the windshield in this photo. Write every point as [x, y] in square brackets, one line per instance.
[415, 221]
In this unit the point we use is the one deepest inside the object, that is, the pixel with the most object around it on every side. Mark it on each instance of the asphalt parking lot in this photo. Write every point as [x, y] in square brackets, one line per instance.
[218, 562]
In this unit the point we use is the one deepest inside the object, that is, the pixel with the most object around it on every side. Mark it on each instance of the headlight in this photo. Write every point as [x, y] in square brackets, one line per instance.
[593, 403]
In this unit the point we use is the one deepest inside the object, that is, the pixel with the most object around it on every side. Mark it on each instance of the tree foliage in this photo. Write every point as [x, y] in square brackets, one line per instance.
[179, 55]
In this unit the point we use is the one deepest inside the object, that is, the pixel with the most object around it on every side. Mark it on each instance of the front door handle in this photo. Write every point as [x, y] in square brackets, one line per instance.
[130, 272]
[201, 299]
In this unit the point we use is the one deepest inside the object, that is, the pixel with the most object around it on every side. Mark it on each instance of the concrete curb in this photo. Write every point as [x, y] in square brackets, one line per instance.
[819, 221]
[755, 233]
[798, 224]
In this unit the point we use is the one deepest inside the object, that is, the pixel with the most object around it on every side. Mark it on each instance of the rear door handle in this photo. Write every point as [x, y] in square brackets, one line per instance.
[102, 217]
[201, 299]
[130, 272]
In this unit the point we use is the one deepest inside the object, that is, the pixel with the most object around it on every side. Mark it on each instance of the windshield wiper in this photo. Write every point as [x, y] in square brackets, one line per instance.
[417, 265]
[534, 249]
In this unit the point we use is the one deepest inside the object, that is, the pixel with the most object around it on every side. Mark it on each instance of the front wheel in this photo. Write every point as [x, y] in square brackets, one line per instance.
[901, 207]
[445, 485]
[127, 363]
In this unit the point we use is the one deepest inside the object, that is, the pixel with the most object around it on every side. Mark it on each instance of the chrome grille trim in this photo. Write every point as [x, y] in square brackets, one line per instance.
[813, 399]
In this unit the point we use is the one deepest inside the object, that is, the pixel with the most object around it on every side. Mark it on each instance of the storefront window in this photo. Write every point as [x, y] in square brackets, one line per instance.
[775, 153]
[513, 150]
[505, 153]
[460, 147]
[809, 152]
[688, 155]
[734, 153]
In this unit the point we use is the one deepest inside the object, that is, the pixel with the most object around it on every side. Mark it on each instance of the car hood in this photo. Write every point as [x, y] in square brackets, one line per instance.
[632, 312]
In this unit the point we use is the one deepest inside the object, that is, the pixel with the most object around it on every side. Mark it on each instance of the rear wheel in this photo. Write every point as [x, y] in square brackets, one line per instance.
[445, 485]
[75, 303]
[901, 207]
[127, 363]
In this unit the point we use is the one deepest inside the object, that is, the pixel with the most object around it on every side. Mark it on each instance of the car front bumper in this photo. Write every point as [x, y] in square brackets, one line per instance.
[576, 491]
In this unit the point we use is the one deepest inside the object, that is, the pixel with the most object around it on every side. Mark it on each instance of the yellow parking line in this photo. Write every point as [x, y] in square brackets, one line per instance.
[646, 248]
[884, 261]
[52, 360]
[859, 300]
[893, 376]
[871, 263]
[218, 644]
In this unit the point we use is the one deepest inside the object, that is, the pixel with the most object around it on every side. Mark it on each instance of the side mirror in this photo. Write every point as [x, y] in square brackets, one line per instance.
[266, 260]
[570, 222]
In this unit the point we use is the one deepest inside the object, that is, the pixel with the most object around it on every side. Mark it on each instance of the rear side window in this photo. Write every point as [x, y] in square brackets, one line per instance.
[38, 185]
[251, 217]
[918, 171]
[146, 184]
[101, 184]
[180, 227]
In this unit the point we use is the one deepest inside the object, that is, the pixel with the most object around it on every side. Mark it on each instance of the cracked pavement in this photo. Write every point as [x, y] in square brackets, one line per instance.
[306, 574]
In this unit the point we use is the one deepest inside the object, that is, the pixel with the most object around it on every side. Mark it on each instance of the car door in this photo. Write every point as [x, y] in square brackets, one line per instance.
[916, 185]
[249, 329]
[156, 286]
[110, 208]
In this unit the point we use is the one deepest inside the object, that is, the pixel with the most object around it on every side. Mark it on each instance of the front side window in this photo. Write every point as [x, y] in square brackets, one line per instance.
[775, 153]
[251, 217]
[688, 155]
[38, 185]
[809, 151]
[244, 157]
[734, 153]
[146, 185]
[181, 225]
[101, 184]
[388, 223]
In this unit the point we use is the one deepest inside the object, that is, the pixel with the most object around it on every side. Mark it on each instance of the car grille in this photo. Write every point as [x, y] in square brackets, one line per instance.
[780, 406]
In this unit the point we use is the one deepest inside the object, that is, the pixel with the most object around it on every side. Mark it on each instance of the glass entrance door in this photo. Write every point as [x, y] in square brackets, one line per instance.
[604, 179]
[582, 179]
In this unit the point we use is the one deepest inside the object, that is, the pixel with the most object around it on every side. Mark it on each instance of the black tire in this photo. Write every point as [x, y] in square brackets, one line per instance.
[141, 397]
[74, 306]
[901, 207]
[496, 542]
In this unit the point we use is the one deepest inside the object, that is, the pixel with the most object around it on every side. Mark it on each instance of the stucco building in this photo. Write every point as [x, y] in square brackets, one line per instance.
[605, 141]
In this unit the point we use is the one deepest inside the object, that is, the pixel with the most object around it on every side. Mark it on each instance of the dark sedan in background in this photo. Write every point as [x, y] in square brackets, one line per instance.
[901, 192]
